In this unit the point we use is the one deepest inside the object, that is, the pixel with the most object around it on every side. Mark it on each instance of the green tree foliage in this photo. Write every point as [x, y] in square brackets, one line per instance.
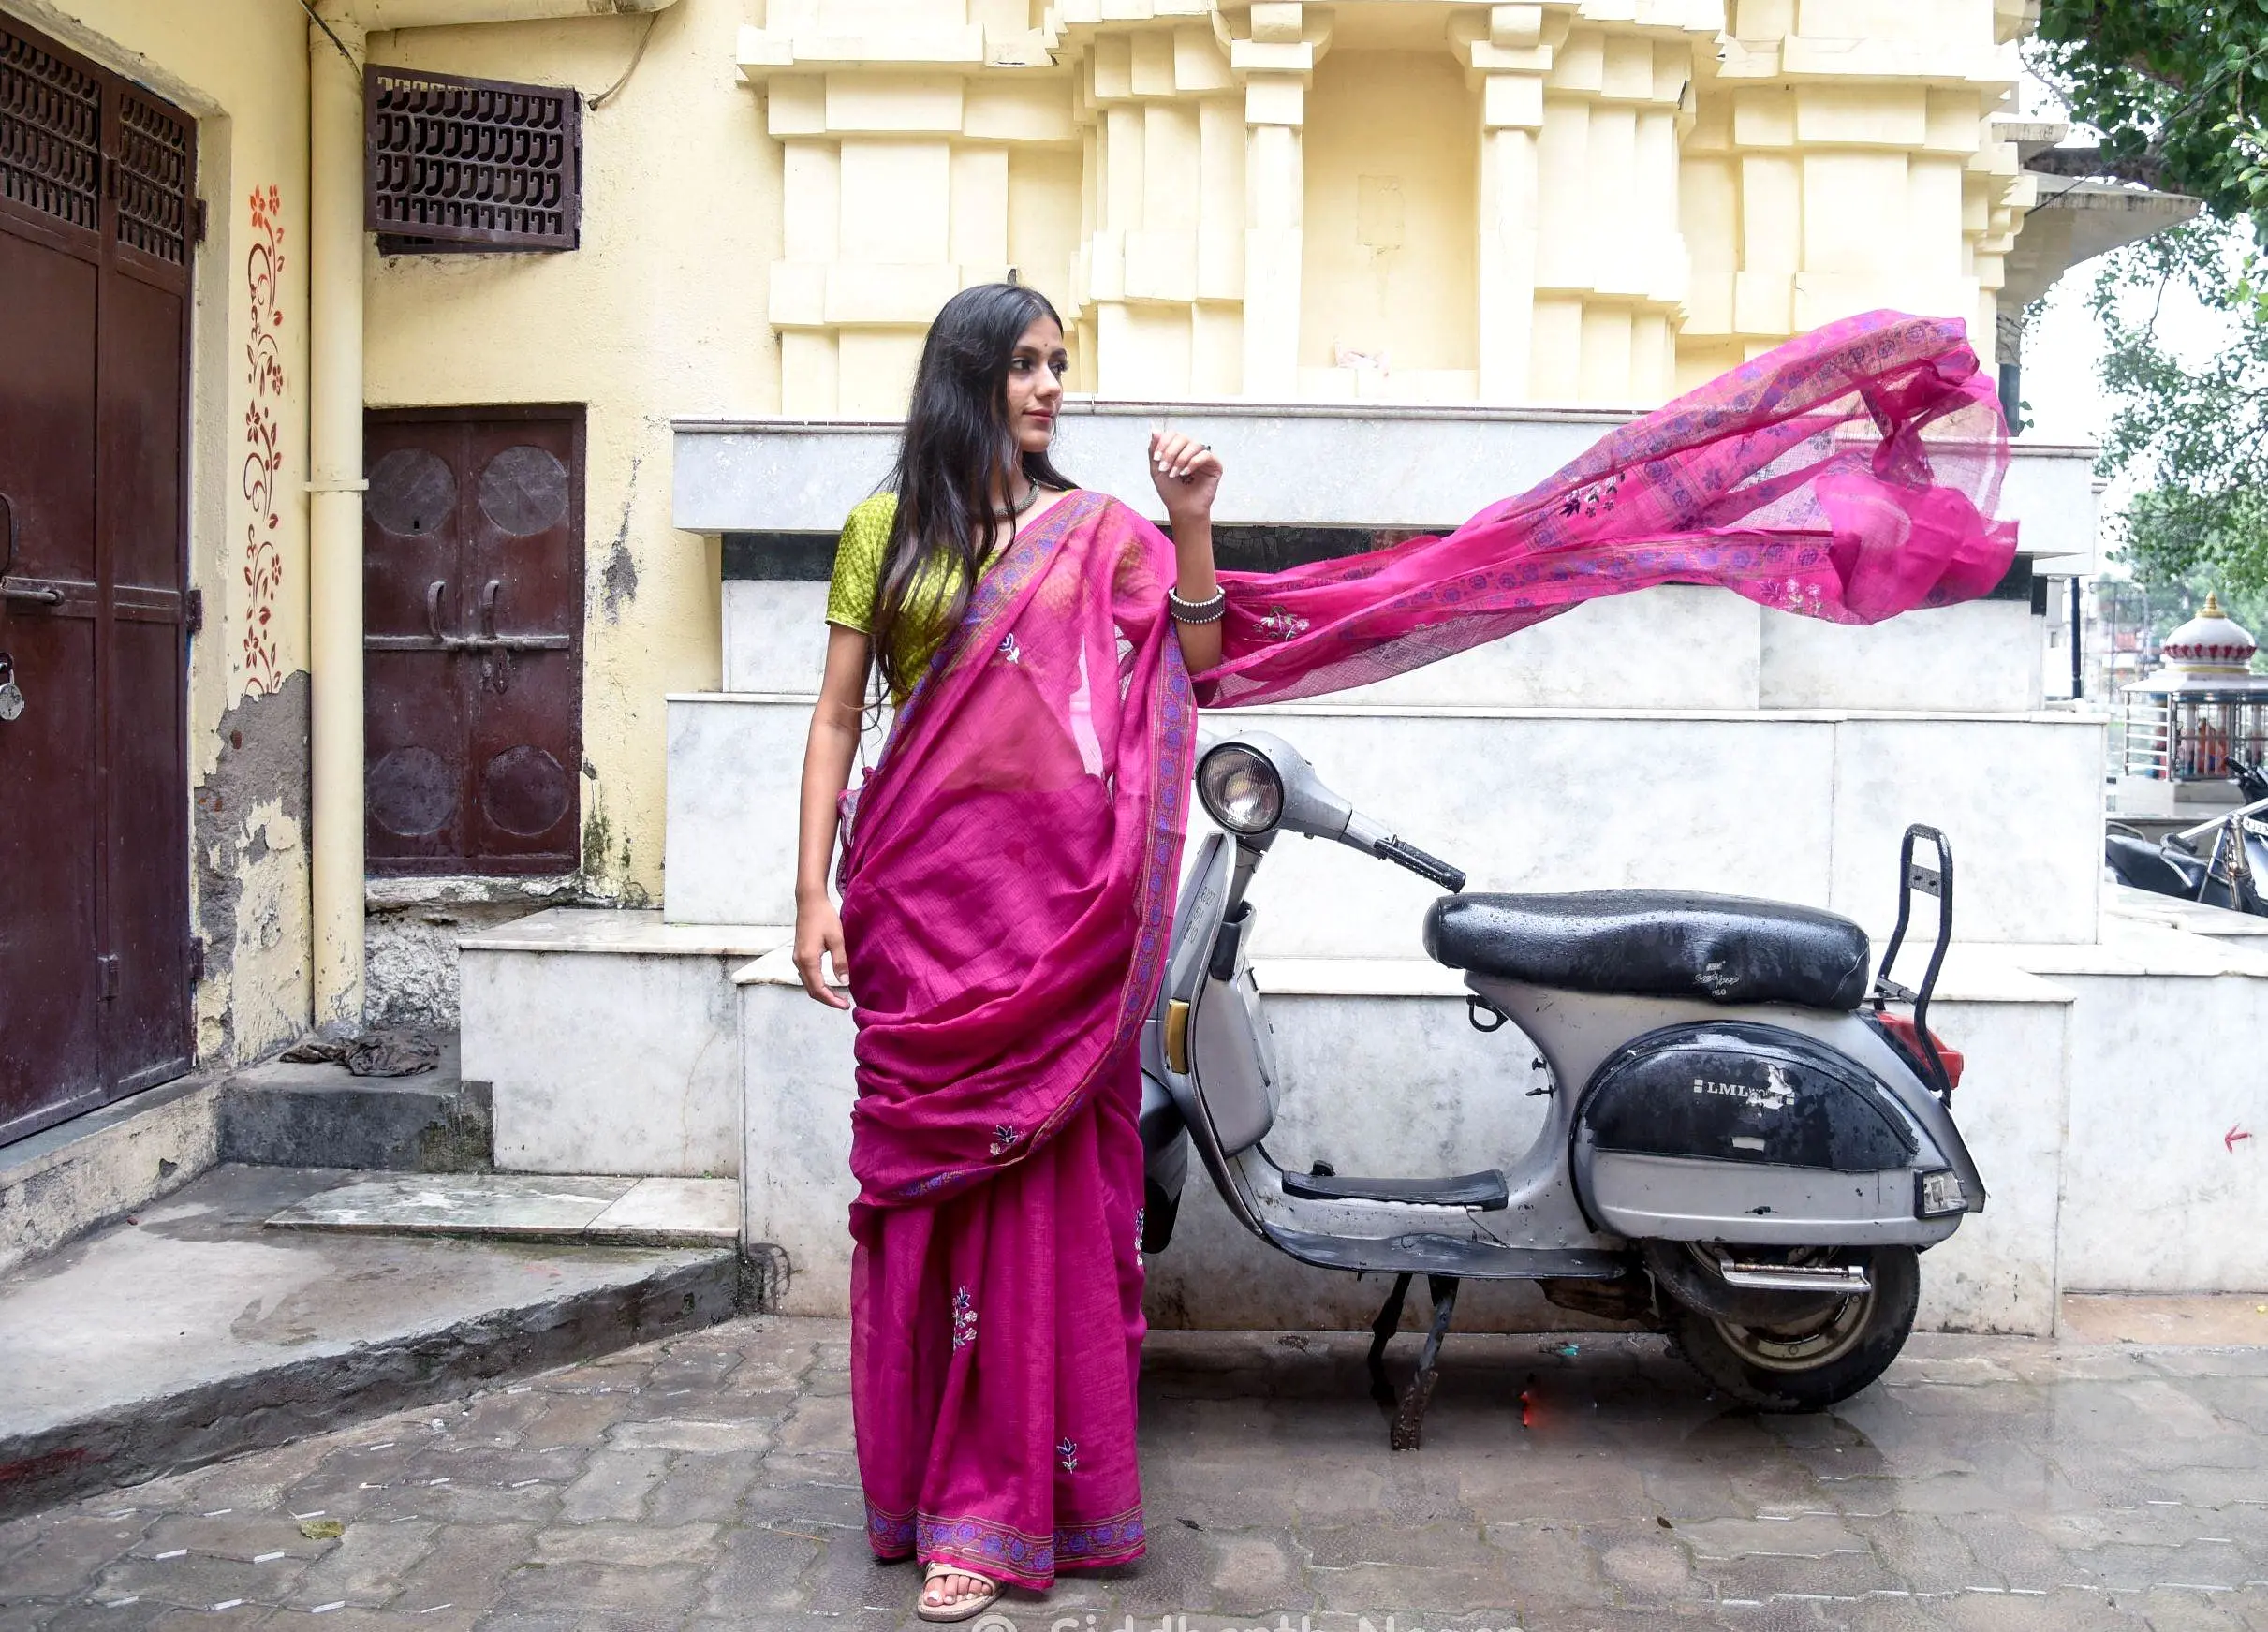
[2177, 88]
[2192, 437]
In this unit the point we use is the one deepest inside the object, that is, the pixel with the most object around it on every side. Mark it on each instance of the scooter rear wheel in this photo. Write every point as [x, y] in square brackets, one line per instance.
[1809, 1364]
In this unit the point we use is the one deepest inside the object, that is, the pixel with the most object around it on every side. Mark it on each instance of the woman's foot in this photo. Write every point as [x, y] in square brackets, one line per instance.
[950, 1593]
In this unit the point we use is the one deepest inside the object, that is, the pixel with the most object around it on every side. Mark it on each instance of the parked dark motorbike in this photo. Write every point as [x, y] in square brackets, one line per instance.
[2228, 876]
[1747, 1141]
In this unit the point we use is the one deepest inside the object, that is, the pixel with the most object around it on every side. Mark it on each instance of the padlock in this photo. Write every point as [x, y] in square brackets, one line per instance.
[11, 695]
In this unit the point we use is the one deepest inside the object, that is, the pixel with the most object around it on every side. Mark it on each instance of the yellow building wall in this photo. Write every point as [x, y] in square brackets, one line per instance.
[240, 67]
[660, 313]
[1842, 159]
[1504, 203]
[1594, 202]
[1389, 261]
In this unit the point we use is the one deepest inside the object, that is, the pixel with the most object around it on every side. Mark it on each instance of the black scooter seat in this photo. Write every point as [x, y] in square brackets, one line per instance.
[1656, 942]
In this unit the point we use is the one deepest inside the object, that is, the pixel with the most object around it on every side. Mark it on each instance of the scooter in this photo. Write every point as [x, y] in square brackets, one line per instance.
[1746, 1141]
[2229, 876]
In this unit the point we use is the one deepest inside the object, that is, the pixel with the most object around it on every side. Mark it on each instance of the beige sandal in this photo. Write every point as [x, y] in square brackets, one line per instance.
[959, 1609]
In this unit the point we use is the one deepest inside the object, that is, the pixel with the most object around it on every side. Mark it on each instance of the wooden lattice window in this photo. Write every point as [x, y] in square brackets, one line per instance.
[461, 163]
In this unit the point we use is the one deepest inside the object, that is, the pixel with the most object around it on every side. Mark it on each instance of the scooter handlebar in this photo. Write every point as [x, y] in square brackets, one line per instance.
[1418, 861]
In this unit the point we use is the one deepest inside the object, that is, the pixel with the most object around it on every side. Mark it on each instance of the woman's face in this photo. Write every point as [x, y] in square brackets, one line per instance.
[1035, 385]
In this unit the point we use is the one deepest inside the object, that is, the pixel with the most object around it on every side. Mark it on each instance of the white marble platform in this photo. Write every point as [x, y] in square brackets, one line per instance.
[612, 1040]
[1383, 1072]
[2193, 916]
[1677, 646]
[601, 1210]
[1313, 464]
[2164, 1182]
[1798, 805]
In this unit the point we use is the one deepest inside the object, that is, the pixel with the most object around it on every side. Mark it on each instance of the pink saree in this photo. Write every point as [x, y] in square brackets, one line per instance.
[1009, 876]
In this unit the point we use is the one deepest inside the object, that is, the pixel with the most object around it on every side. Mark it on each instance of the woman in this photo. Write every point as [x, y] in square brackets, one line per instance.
[1008, 864]
[996, 1336]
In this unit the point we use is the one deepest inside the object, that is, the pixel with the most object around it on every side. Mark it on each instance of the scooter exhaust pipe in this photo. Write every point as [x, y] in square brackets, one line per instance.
[1845, 1280]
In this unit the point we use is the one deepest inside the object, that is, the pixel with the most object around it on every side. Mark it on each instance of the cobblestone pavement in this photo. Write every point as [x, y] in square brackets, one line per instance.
[707, 1482]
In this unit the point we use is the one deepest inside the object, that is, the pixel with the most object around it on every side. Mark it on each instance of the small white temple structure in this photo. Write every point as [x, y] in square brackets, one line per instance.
[2179, 728]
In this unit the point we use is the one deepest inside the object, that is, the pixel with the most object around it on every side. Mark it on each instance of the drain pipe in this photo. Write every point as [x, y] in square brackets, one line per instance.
[334, 452]
[334, 511]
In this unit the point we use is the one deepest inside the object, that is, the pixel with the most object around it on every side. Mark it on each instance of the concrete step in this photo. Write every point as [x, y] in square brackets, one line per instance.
[190, 1332]
[62, 1182]
[281, 1114]
[66, 1180]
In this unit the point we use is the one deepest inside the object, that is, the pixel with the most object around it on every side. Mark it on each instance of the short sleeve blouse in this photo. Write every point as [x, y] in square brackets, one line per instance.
[858, 563]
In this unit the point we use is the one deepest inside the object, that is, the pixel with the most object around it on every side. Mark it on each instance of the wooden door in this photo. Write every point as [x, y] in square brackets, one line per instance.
[95, 206]
[472, 617]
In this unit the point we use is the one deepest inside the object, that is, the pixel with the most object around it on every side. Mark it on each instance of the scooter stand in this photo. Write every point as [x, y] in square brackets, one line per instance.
[1407, 1430]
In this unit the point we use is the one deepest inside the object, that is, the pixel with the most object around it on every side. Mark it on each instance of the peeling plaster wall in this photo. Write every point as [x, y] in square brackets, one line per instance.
[410, 930]
[248, 839]
[240, 67]
[660, 313]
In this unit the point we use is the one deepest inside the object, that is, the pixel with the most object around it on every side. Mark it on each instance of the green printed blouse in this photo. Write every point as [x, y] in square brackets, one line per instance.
[857, 580]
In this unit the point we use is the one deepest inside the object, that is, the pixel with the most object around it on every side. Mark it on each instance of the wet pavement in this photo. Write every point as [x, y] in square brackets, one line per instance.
[1566, 1483]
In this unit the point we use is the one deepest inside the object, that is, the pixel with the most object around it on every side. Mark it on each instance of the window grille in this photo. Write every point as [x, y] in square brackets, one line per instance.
[51, 133]
[152, 181]
[457, 164]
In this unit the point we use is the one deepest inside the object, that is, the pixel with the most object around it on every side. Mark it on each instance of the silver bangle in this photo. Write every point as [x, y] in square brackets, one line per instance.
[1209, 611]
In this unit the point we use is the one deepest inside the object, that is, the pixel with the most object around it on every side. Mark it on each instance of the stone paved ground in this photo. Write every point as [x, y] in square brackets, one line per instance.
[707, 1482]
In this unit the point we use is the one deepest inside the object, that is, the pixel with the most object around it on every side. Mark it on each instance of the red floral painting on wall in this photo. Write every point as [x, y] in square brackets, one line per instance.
[263, 440]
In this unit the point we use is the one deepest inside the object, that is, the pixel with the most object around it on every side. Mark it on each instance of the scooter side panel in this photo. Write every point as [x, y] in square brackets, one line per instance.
[1226, 1053]
[1688, 1200]
[1696, 1198]
[1196, 922]
[1735, 1091]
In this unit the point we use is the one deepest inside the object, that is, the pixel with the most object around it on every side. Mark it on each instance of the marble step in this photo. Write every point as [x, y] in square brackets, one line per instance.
[1796, 805]
[1674, 647]
[608, 1040]
[597, 1209]
[1382, 1073]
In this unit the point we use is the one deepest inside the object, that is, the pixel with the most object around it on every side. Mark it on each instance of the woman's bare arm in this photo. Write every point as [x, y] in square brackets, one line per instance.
[828, 753]
[1187, 474]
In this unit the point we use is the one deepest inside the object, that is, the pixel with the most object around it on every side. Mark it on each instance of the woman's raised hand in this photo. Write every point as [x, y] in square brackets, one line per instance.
[818, 934]
[1187, 473]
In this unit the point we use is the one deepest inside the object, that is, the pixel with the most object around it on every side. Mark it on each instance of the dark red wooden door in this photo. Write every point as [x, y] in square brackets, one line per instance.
[95, 178]
[472, 613]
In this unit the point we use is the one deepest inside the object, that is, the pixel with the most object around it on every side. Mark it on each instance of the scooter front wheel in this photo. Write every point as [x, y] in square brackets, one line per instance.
[1808, 1364]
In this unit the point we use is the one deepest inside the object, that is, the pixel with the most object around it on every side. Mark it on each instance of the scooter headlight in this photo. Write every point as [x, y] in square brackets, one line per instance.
[1240, 789]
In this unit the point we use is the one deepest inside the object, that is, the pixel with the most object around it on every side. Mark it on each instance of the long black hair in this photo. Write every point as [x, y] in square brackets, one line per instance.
[956, 448]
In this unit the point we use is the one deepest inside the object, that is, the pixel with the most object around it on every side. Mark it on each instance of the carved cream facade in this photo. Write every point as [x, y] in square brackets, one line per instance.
[1389, 199]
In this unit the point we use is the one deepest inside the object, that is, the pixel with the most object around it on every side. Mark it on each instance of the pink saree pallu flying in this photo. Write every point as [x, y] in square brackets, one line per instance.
[1008, 870]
